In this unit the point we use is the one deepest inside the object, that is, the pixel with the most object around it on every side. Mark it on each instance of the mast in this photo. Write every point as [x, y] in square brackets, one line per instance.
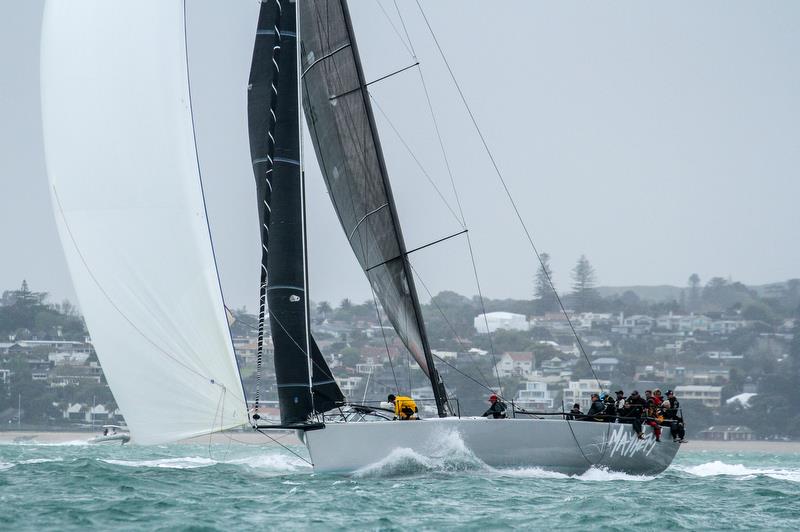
[439, 392]
[305, 383]
[304, 223]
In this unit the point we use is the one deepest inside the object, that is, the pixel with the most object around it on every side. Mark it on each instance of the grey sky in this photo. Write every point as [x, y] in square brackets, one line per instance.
[659, 140]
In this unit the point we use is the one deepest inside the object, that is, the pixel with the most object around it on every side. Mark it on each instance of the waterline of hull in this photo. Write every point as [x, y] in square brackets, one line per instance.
[554, 445]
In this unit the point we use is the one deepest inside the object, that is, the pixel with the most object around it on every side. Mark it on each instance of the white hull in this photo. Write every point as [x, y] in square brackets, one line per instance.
[121, 439]
[555, 445]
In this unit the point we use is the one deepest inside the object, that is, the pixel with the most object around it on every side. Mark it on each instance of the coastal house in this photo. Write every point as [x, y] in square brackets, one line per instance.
[515, 363]
[535, 396]
[710, 396]
[500, 320]
[581, 391]
[348, 385]
[605, 366]
[727, 433]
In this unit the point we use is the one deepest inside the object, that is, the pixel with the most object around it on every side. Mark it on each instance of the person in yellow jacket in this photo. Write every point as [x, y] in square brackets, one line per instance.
[404, 407]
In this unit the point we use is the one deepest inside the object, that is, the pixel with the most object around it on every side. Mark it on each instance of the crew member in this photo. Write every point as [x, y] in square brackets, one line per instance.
[405, 408]
[497, 409]
[597, 408]
[575, 413]
[634, 408]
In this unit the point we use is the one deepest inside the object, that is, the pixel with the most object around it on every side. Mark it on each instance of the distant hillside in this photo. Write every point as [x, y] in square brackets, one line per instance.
[649, 293]
[669, 293]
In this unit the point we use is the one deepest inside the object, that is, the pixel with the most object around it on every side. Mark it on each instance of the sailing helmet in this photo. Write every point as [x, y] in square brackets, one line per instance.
[493, 398]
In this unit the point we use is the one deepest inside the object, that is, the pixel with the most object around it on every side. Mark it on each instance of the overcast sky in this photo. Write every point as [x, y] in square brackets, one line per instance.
[658, 139]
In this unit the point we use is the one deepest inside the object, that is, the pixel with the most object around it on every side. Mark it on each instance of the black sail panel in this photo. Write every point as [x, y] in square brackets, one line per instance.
[273, 122]
[341, 129]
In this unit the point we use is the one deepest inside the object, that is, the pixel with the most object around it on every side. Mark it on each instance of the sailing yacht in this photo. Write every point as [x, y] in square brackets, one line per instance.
[127, 193]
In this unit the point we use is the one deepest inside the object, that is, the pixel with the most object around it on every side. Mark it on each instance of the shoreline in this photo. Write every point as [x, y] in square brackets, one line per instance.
[32, 437]
[289, 438]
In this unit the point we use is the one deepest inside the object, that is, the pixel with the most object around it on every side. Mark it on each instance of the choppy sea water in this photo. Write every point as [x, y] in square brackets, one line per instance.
[237, 486]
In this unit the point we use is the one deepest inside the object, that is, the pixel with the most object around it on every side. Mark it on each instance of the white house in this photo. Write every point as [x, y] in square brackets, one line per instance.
[500, 320]
[710, 396]
[515, 363]
[581, 391]
[68, 358]
[694, 322]
[348, 385]
[535, 396]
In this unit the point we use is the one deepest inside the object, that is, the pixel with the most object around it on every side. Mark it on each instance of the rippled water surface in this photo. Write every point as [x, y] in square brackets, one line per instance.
[238, 486]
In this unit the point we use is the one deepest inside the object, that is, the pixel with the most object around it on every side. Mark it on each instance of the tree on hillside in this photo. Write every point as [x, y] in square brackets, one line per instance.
[694, 291]
[721, 294]
[583, 284]
[544, 290]
[324, 308]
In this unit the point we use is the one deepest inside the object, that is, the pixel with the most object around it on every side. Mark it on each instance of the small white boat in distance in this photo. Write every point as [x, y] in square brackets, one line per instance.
[112, 434]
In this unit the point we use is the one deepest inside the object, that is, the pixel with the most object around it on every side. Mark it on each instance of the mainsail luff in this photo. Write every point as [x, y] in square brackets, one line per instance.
[338, 111]
[275, 152]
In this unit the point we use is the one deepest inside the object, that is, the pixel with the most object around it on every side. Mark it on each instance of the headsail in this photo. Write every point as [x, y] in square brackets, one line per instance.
[129, 204]
[342, 128]
[273, 118]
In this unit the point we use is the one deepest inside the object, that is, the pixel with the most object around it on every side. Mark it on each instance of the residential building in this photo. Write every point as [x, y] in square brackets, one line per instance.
[605, 366]
[728, 433]
[500, 320]
[348, 385]
[515, 363]
[710, 396]
[581, 391]
[535, 396]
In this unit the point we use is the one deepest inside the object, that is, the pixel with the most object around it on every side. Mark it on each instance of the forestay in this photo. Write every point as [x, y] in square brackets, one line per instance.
[128, 201]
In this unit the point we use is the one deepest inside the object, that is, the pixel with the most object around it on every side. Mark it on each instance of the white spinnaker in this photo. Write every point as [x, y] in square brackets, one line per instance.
[128, 202]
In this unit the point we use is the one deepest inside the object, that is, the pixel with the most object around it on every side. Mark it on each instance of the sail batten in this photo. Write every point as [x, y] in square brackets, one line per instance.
[348, 150]
[126, 190]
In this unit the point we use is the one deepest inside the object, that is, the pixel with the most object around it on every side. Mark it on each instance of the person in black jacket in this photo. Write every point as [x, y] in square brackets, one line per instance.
[610, 411]
[634, 408]
[597, 408]
[575, 413]
[497, 410]
[673, 417]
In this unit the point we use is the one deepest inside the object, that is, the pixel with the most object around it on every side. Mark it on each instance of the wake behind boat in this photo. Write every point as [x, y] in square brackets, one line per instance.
[128, 198]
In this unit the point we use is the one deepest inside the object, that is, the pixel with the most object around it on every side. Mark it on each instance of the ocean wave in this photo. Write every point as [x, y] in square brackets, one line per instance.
[448, 453]
[186, 462]
[34, 443]
[595, 474]
[601, 474]
[5, 465]
[719, 468]
[273, 462]
[530, 472]
[41, 460]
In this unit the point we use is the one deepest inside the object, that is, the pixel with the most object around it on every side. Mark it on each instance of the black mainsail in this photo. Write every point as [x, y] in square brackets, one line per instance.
[273, 120]
[345, 138]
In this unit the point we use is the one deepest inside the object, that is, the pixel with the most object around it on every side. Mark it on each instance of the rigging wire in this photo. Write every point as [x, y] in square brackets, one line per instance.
[285, 447]
[507, 191]
[452, 328]
[385, 341]
[455, 193]
[396, 31]
[460, 221]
